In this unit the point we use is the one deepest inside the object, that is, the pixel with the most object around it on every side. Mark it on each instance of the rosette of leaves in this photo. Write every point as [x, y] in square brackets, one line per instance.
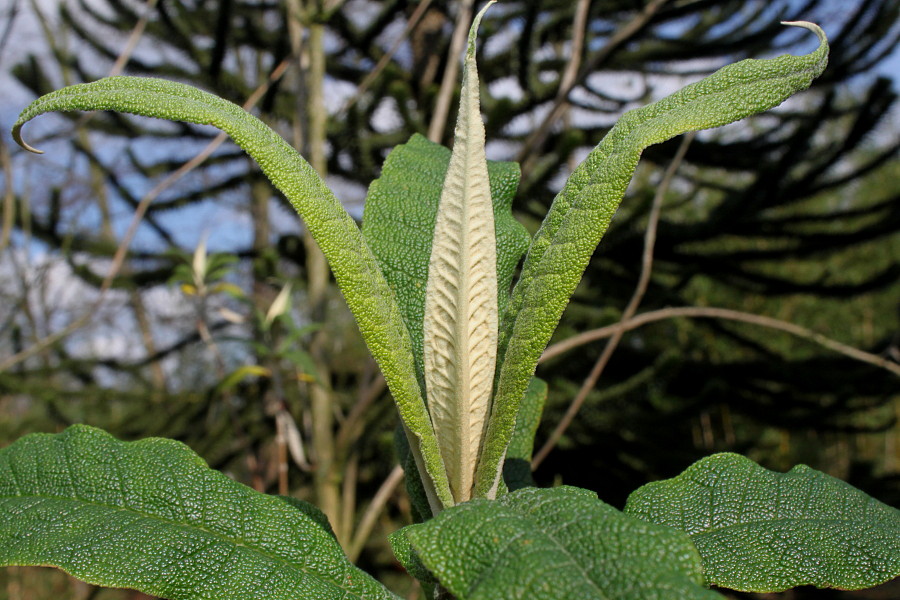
[458, 350]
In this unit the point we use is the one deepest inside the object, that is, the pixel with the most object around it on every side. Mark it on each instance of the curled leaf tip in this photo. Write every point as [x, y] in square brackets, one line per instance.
[17, 136]
[476, 22]
[807, 25]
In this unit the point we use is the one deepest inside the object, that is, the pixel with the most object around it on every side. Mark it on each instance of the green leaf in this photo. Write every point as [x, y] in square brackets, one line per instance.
[151, 516]
[240, 374]
[517, 466]
[539, 544]
[407, 556]
[398, 224]
[582, 211]
[421, 511]
[355, 267]
[762, 531]
[310, 511]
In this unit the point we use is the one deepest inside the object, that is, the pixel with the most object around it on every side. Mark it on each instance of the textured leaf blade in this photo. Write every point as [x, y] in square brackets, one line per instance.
[517, 466]
[460, 325]
[582, 211]
[546, 544]
[398, 224]
[404, 552]
[355, 267]
[758, 530]
[151, 516]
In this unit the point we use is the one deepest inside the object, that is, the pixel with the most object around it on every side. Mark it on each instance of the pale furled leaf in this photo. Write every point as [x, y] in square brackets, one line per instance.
[198, 263]
[398, 225]
[279, 305]
[762, 531]
[460, 325]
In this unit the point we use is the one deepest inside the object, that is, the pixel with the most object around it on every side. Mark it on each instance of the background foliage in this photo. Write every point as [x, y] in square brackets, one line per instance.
[794, 214]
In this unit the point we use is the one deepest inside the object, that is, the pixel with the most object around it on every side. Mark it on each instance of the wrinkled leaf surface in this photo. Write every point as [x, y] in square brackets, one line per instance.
[151, 516]
[758, 530]
[547, 544]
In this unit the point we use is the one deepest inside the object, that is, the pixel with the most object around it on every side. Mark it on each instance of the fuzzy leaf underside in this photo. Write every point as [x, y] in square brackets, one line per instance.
[151, 516]
[460, 326]
[547, 544]
[762, 531]
[398, 225]
[583, 209]
[355, 268]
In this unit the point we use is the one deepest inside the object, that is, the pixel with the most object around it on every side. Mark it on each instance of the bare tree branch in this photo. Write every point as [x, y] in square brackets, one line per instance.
[707, 312]
[535, 141]
[386, 59]
[140, 211]
[448, 83]
[638, 295]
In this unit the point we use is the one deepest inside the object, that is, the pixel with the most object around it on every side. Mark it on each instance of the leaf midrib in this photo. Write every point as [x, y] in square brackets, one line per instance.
[718, 529]
[538, 526]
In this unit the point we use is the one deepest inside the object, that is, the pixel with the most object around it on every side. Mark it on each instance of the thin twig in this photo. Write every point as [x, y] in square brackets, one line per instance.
[705, 312]
[133, 39]
[415, 590]
[293, 439]
[10, 19]
[448, 83]
[125, 55]
[386, 59]
[355, 419]
[638, 295]
[281, 455]
[9, 197]
[579, 27]
[561, 102]
[367, 523]
[140, 211]
[348, 495]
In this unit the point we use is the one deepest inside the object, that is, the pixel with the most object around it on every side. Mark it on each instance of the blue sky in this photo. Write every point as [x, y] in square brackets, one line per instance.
[228, 228]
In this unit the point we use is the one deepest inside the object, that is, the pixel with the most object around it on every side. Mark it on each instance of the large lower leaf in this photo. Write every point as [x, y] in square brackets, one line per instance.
[151, 516]
[538, 544]
[583, 209]
[762, 531]
[355, 267]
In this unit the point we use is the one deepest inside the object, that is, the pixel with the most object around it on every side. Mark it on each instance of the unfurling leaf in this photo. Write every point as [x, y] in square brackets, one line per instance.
[460, 326]
[398, 225]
